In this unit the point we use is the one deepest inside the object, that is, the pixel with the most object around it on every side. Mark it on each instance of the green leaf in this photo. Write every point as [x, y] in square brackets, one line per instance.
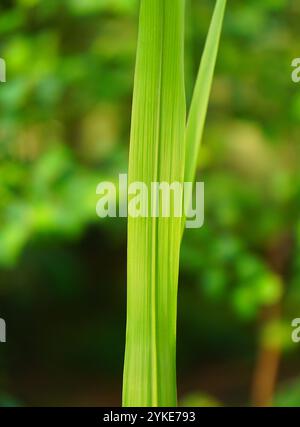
[199, 105]
[156, 155]
[159, 143]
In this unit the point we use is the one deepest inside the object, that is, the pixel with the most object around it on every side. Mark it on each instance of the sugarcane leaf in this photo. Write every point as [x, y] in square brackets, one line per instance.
[158, 146]
[200, 99]
[156, 155]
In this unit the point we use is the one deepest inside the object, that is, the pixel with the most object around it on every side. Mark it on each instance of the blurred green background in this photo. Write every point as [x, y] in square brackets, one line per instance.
[64, 127]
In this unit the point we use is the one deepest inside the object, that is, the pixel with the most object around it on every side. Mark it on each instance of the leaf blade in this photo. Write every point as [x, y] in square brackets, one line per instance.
[200, 99]
[156, 155]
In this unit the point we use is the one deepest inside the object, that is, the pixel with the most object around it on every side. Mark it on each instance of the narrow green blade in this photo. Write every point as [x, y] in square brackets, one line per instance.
[156, 155]
[198, 110]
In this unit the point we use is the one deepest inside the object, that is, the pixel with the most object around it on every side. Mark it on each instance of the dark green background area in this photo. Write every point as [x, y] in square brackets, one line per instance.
[64, 127]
